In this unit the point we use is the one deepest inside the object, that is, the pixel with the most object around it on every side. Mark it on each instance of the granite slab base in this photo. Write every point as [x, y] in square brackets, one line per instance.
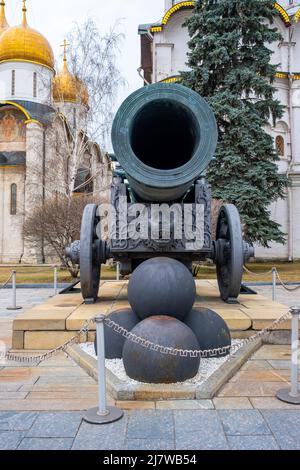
[122, 391]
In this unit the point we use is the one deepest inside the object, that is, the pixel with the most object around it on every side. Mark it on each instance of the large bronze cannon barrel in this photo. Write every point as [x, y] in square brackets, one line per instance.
[164, 136]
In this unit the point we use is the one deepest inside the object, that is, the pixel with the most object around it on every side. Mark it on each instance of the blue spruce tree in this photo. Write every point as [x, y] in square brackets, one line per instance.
[230, 65]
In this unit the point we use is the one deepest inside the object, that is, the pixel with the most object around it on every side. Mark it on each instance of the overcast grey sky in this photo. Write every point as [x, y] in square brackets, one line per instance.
[54, 19]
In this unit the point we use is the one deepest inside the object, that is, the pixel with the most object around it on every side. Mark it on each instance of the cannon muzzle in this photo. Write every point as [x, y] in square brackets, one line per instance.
[164, 136]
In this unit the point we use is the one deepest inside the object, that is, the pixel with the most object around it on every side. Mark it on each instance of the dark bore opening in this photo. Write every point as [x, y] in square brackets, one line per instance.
[164, 135]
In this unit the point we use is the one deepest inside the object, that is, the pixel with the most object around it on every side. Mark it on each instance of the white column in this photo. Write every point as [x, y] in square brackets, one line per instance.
[34, 181]
[296, 120]
[2, 219]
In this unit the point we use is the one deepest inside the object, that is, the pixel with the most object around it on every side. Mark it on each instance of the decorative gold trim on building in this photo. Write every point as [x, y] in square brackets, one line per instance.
[179, 6]
[18, 106]
[28, 61]
[176, 8]
[283, 14]
[33, 121]
[295, 75]
[170, 12]
[284, 75]
[297, 16]
[281, 75]
[173, 79]
[156, 29]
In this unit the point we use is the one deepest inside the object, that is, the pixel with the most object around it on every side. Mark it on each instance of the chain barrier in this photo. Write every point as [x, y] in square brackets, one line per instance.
[6, 282]
[257, 274]
[195, 353]
[146, 343]
[42, 357]
[21, 272]
[289, 289]
[207, 353]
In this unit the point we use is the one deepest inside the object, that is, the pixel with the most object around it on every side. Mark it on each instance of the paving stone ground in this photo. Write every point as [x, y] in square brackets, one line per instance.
[41, 407]
[282, 296]
[153, 430]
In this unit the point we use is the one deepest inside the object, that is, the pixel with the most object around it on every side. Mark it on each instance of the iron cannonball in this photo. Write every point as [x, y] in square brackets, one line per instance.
[146, 365]
[114, 341]
[210, 329]
[161, 286]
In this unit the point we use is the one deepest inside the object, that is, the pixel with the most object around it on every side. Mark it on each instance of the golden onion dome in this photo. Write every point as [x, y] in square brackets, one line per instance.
[3, 21]
[69, 88]
[22, 43]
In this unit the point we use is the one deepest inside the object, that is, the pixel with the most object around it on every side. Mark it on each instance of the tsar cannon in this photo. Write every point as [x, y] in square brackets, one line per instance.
[164, 137]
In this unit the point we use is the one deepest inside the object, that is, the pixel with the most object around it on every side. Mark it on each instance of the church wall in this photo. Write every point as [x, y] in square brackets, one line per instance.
[296, 216]
[37, 146]
[23, 88]
[279, 212]
[75, 113]
[295, 51]
[102, 183]
[279, 48]
[56, 156]
[12, 139]
[12, 130]
[170, 47]
[11, 237]
[296, 123]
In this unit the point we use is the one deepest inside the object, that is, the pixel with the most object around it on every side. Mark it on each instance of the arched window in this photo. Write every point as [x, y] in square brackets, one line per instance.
[13, 199]
[280, 145]
[74, 118]
[13, 83]
[34, 84]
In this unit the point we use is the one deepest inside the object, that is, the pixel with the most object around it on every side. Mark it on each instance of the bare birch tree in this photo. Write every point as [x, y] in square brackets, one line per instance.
[93, 63]
[74, 161]
[94, 60]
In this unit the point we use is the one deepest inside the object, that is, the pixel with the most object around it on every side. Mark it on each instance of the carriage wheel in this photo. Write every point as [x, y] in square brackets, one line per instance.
[229, 253]
[90, 262]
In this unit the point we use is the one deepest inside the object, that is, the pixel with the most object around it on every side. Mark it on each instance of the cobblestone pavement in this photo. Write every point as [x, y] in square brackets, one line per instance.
[41, 407]
[26, 298]
[153, 430]
[282, 296]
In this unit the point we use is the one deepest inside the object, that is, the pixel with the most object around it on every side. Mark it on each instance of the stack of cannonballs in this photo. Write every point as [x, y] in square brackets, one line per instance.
[161, 293]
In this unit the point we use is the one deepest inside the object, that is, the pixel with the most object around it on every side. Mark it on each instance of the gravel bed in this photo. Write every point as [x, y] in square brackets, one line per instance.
[206, 369]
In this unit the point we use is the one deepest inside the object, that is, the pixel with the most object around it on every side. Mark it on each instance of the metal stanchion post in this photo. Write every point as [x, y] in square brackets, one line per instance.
[292, 395]
[118, 271]
[14, 292]
[274, 278]
[55, 280]
[102, 414]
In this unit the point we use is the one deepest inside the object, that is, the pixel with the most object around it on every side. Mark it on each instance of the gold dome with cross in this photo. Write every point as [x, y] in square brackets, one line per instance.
[22, 43]
[67, 87]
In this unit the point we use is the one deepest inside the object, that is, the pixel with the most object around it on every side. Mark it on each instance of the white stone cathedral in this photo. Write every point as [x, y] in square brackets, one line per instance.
[164, 54]
[43, 115]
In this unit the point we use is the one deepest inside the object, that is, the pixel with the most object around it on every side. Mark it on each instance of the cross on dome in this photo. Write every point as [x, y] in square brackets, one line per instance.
[65, 45]
[24, 10]
[3, 21]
